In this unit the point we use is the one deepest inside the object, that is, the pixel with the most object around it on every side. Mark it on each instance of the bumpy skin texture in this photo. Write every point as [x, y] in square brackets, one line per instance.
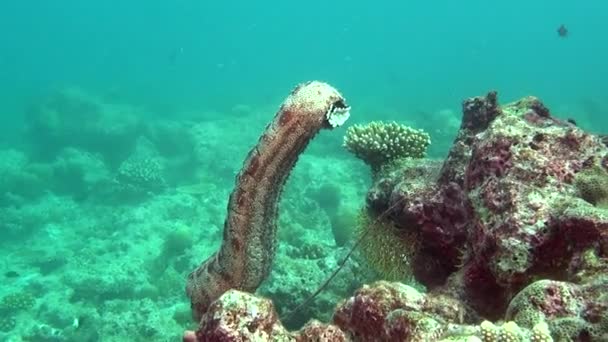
[248, 248]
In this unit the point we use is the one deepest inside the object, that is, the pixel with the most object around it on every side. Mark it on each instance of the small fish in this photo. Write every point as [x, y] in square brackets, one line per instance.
[562, 31]
[11, 274]
[572, 121]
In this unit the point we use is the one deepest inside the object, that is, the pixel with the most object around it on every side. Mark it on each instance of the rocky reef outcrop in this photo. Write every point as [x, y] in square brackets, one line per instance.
[512, 228]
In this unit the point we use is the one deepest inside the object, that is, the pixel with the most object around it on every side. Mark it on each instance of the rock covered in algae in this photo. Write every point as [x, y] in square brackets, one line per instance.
[241, 316]
[383, 311]
[573, 312]
[517, 200]
[387, 311]
[506, 208]
[238, 316]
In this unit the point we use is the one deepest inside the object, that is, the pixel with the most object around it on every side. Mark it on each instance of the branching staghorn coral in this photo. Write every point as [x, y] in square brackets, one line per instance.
[248, 248]
[379, 143]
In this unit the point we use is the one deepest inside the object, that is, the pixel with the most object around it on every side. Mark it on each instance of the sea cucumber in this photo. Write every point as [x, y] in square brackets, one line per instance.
[247, 251]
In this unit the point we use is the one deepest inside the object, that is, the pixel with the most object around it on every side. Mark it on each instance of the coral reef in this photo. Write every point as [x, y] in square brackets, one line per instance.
[379, 143]
[593, 186]
[510, 228]
[19, 178]
[510, 331]
[124, 279]
[504, 210]
[573, 312]
[386, 248]
[77, 173]
[11, 306]
[141, 174]
[508, 234]
[17, 301]
[382, 311]
[7, 323]
[72, 117]
[249, 243]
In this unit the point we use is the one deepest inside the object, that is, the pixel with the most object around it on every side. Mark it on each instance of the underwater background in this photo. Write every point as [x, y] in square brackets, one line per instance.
[123, 124]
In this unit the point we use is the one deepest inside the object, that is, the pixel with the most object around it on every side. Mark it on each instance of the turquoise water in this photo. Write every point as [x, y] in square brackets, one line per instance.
[402, 55]
[188, 86]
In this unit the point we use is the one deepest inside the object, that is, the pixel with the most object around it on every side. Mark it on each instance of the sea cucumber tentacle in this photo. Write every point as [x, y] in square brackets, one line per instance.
[247, 251]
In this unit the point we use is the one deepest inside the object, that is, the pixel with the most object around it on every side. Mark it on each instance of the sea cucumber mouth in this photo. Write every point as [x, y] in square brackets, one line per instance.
[338, 113]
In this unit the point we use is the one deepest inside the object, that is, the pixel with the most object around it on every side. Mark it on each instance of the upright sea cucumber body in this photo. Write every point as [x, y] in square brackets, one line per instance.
[248, 248]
